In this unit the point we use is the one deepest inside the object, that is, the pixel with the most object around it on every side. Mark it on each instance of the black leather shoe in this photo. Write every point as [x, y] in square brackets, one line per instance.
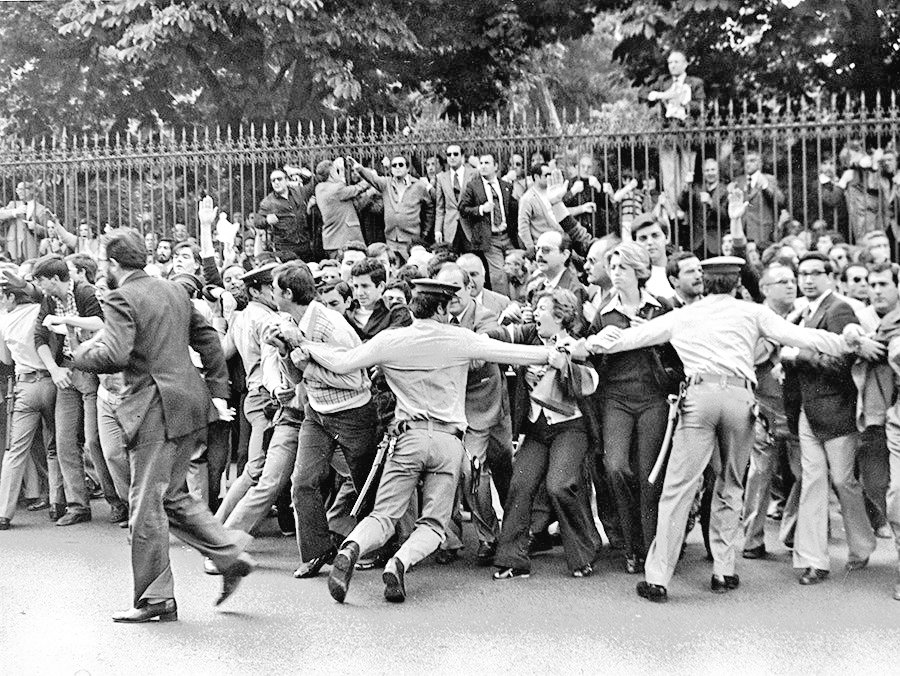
[486, 553]
[652, 592]
[166, 611]
[342, 570]
[394, 587]
[118, 513]
[813, 576]
[312, 567]
[56, 512]
[232, 576]
[755, 552]
[71, 518]
[719, 584]
[38, 505]
[446, 556]
[4, 524]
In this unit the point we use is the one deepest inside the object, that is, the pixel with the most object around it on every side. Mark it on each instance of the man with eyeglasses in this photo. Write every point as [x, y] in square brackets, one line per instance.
[854, 282]
[488, 207]
[516, 176]
[827, 430]
[408, 205]
[283, 215]
[448, 228]
[774, 442]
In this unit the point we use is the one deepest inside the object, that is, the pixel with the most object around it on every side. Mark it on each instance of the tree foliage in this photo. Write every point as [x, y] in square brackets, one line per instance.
[111, 63]
[766, 47]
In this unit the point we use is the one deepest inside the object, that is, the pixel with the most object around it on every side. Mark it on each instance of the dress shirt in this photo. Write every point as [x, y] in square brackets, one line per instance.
[718, 335]
[246, 332]
[658, 284]
[813, 307]
[17, 337]
[492, 190]
[426, 365]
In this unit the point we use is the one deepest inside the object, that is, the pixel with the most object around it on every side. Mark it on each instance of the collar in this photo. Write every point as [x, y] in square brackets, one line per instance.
[479, 299]
[814, 306]
[554, 282]
[615, 302]
[306, 319]
[406, 180]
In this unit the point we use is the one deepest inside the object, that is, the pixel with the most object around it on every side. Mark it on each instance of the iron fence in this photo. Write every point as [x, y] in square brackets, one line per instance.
[151, 179]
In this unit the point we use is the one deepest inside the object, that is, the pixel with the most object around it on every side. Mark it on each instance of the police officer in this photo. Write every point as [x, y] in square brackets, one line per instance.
[715, 338]
[426, 365]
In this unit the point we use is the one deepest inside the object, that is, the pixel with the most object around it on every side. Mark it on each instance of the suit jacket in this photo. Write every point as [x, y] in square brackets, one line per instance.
[480, 225]
[21, 240]
[150, 324]
[762, 210]
[494, 302]
[709, 221]
[827, 394]
[485, 386]
[446, 218]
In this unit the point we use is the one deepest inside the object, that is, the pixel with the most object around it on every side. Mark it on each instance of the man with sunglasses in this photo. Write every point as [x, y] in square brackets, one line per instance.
[448, 228]
[408, 205]
[283, 214]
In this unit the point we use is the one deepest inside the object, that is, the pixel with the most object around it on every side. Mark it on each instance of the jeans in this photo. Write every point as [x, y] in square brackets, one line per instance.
[633, 432]
[34, 403]
[112, 443]
[552, 455]
[256, 503]
[254, 409]
[79, 402]
[354, 430]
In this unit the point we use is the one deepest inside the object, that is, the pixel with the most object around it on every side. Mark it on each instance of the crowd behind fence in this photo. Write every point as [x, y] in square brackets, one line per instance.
[152, 179]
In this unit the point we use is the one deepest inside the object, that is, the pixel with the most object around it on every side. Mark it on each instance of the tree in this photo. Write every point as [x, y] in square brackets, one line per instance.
[110, 64]
[767, 48]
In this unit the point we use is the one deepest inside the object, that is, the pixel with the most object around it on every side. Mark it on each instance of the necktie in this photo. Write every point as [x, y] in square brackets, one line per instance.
[497, 213]
[456, 187]
[454, 320]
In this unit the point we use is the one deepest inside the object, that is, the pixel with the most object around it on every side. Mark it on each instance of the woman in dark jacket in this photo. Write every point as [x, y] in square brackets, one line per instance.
[552, 452]
[634, 386]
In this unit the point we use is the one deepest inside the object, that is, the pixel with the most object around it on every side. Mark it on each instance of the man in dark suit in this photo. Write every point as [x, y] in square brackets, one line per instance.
[706, 212]
[488, 207]
[488, 438]
[827, 429]
[165, 408]
[680, 96]
[764, 201]
[448, 227]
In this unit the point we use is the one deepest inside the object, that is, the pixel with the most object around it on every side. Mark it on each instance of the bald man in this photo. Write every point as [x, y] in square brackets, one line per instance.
[493, 302]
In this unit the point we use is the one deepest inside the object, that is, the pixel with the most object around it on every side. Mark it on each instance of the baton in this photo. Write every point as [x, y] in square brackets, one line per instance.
[383, 451]
[674, 403]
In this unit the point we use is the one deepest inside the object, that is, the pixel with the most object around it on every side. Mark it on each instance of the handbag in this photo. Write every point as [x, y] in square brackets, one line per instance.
[559, 389]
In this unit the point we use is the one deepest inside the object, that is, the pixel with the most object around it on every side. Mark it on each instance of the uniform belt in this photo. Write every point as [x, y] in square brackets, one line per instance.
[721, 380]
[32, 376]
[431, 426]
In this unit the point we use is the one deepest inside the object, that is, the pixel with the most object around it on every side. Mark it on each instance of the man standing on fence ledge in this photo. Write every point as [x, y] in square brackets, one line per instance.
[426, 366]
[165, 408]
[681, 97]
[715, 338]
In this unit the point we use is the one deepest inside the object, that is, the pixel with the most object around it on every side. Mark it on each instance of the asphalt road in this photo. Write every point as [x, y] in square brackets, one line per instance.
[58, 587]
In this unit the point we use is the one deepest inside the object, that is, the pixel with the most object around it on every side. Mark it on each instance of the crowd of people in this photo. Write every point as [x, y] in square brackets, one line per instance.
[473, 354]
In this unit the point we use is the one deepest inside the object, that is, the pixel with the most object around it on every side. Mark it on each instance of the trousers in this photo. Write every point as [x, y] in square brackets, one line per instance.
[258, 500]
[33, 406]
[433, 456]
[768, 450]
[874, 472]
[825, 464]
[711, 412]
[320, 434]
[552, 455]
[159, 503]
[632, 436]
[254, 409]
